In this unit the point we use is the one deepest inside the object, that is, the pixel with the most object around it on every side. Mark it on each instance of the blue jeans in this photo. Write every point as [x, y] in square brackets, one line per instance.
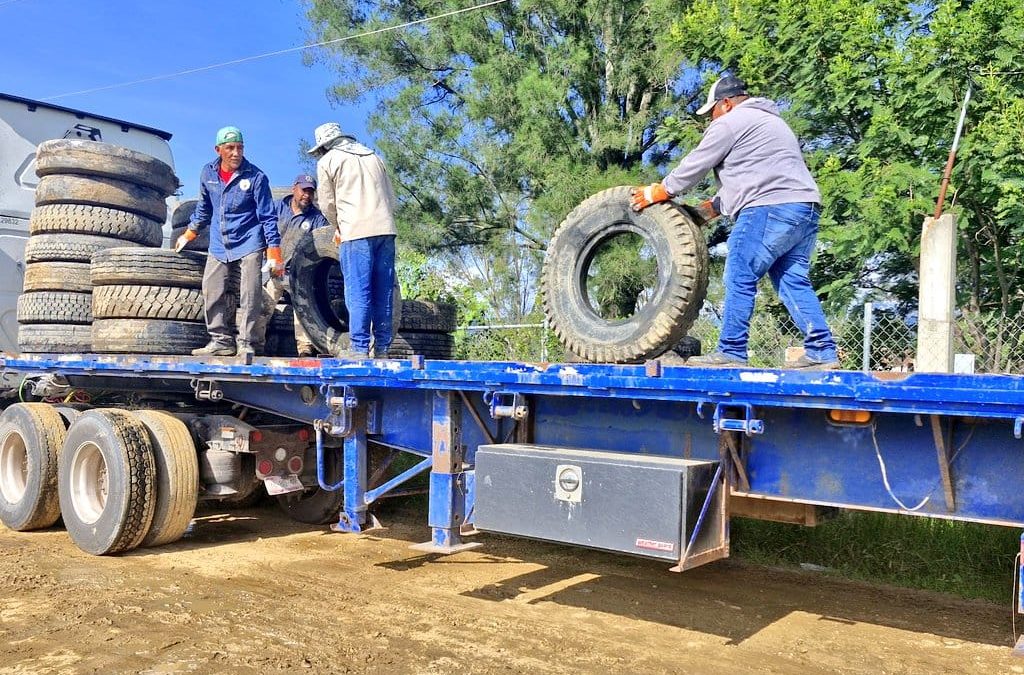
[777, 240]
[368, 266]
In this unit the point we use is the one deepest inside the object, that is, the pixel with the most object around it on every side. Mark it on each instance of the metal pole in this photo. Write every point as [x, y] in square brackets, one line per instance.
[869, 317]
[544, 342]
[948, 171]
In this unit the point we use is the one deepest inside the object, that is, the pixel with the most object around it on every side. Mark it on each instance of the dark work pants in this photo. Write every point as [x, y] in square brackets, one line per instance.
[221, 301]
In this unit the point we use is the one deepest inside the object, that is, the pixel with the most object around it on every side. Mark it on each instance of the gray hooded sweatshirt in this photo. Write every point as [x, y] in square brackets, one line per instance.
[756, 159]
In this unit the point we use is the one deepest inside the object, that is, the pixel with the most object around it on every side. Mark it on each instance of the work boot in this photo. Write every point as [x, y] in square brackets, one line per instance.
[245, 350]
[351, 355]
[716, 359]
[215, 348]
[306, 352]
[807, 363]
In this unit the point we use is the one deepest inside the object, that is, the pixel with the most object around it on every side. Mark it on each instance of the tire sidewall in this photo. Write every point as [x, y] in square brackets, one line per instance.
[18, 515]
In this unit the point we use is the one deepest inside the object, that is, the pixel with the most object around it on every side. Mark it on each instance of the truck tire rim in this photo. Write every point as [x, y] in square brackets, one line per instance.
[13, 468]
[88, 483]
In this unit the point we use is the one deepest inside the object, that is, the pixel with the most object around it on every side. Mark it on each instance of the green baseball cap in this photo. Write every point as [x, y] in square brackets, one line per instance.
[229, 135]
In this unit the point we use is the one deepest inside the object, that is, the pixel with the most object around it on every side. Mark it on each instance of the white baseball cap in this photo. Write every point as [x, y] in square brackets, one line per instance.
[726, 86]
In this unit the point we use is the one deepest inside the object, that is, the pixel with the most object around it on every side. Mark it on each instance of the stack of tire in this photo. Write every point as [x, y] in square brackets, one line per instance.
[180, 218]
[426, 329]
[91, 196]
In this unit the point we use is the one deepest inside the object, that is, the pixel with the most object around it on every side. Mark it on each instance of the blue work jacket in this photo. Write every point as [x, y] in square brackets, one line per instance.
[241, 213]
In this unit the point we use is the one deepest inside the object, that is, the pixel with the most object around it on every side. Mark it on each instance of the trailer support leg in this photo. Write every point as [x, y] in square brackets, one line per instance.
[354, 516]
[448, 479]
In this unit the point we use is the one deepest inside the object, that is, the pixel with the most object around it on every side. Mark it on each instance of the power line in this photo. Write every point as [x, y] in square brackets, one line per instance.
[246, 59]
[9, 2]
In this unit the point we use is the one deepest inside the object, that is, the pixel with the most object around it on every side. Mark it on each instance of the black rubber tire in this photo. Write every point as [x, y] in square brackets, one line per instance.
[200, 243]
[92, 158]
[39, 431]
[316, 506]
[130, 266]
[108, 192]
[57, 276]
[426, 316]
[67, 247]
[45, 338]
[682, 259]
[428, 345]
[122, 520]
[147, 336]
[249, 498]
[97, 220]
[148, 302]
[182, 213]
[315, 282]
[177, 476]
[55, 307]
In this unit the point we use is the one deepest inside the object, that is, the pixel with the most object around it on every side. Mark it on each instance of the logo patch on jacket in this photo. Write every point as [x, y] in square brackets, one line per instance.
[244, 184]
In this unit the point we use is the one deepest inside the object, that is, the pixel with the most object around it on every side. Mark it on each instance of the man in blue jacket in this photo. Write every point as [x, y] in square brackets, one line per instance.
[235, 202]
[765, 186]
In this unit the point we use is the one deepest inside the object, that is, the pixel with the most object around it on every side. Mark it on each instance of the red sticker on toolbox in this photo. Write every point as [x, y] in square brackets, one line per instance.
[652, 545]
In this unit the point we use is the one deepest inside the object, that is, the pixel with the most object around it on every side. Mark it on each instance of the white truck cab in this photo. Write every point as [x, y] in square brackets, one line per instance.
[24, 124]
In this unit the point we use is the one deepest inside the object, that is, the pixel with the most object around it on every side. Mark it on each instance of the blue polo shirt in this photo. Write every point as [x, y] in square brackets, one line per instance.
[311, 219]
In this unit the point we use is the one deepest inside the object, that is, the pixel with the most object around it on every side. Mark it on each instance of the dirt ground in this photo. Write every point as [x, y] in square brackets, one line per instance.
[253, 592]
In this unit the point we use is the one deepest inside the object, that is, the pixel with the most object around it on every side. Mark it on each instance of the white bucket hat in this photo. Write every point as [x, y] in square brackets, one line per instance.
[324, 134]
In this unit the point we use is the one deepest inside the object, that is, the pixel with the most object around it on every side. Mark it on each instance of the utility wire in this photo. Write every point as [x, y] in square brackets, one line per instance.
[246, 59]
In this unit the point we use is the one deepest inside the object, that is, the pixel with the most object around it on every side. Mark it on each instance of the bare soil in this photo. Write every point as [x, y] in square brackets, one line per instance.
[251, 591]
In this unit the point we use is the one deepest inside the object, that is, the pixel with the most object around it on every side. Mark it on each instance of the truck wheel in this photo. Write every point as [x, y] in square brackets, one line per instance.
[66, 247]
[147, 336]
[55, 307]
[148, 266]
[678, 249]
[31, 436]
[423, 316]
[317, 291]
[106, 481]
[429, 345]
[315, 506]
[57, 276]
[200, 243]
[177, 476]
[82, 219]
[108, 192]
[92, 158]
[147, 302]
[61, 338]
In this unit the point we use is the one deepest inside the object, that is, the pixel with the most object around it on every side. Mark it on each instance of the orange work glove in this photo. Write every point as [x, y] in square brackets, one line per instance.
[277, 261]
[184, 239]
[337, 238]
[645, 195]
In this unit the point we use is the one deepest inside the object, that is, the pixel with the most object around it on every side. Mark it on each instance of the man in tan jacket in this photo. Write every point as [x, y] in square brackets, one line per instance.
[356, 196]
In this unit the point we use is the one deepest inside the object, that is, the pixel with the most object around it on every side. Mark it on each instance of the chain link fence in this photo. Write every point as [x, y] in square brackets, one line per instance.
[868, 339]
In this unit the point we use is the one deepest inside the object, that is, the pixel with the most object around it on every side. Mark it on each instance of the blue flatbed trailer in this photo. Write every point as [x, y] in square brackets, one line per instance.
[514, 447]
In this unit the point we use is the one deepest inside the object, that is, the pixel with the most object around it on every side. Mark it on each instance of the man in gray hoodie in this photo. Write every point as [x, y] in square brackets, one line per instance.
[765, 186]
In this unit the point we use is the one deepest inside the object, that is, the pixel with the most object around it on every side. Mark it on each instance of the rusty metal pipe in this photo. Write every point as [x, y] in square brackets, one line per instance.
[948, 171]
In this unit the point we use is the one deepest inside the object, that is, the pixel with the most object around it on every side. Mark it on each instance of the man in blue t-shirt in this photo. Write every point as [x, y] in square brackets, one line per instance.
[296, 214]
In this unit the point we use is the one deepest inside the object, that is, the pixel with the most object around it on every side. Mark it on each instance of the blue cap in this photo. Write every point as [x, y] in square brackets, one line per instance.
[304, 180]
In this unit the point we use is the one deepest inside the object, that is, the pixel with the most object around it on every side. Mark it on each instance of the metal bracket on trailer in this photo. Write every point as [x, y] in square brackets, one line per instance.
[749, 425]
[206, 389]
[506, 404]
[341, 401]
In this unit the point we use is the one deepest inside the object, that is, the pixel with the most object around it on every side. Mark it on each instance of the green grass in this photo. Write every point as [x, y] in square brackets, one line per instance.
[965, 559]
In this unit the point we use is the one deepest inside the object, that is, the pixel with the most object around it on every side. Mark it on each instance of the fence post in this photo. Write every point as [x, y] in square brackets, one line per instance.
[869, 316]
[544, 341]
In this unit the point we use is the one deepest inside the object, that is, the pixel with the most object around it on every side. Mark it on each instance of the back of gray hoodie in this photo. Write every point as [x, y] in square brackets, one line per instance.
[756, 159]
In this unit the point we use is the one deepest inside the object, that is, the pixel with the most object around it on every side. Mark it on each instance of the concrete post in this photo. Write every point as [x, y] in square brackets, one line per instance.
[937, 296]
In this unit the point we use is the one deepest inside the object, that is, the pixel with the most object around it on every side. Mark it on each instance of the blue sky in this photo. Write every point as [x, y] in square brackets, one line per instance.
[52, 47]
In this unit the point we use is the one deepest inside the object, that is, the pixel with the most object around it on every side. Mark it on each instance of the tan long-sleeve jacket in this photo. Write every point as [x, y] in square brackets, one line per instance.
[354, 191]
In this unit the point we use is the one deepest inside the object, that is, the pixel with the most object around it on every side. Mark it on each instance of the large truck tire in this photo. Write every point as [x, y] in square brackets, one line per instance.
[107, 192]
[103, 160]
[106, 481]
[317, 292]
[428, 345]
[682, 258]
[147, 336]
[182, 213]
[200, 243]
[67, 247]
[147, 302]
[130, 266]
[57, 276]
[96, 220]
[45, 338]
[55, 307]
[177, 476]
[314, 505]
[31, 437]
[424, 316]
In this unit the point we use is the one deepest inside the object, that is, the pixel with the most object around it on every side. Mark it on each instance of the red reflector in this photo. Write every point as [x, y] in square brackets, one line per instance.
[295, 465]
[265, 467]
[256, 436]
[303, 434]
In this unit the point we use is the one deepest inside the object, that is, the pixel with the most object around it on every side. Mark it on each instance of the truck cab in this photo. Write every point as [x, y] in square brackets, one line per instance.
[24, 124]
